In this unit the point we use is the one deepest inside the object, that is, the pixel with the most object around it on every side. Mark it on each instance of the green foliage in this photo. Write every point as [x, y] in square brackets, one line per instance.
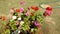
[7, 31]
[12, 25]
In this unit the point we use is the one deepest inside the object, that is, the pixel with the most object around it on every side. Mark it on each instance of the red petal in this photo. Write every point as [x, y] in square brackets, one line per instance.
[49, 8]
[32, 14]
[44, 14]
[36, 8]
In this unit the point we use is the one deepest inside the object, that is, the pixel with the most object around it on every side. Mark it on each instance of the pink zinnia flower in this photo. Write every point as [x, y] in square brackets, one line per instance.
[48, 12]
[11, 11]
[22, 2]
[27, 13]
[36, 23]
[21, 9]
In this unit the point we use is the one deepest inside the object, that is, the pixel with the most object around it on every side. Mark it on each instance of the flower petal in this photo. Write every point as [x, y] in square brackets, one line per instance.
[14, 17]
[36, 23]
[21, 9]
[27, 13]
[48, 12]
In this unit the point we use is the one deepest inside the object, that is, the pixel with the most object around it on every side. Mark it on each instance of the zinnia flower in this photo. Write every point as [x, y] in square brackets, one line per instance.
[36, 23]
[21, 9]
[14, 17]
[32, 14]
[48, 11]
[35, 8]
[19, 18]
[45, 14]
[27, 13]
[4, 18]
[49, 8]
[22, 2]
[11, 11]
[18, 10]
[21, 23]
[32, 29]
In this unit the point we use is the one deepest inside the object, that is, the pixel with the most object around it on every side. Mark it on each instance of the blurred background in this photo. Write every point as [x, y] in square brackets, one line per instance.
[52, 23]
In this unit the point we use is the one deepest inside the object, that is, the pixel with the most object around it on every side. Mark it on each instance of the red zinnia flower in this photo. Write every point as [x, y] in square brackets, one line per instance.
[32, 14]
[49, 8]
[48, 11]
[45, 14]
[35, 8]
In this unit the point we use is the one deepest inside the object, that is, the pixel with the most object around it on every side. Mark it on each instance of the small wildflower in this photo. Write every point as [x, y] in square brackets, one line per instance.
[4, 18]
[32, 14]
[21, 9]
[32, 29]
[22, 22]
[49, 8]
[27, 13]
[18, 10]
[14, 17]
[36, 23]
[11, 11]
[48, 12]
[22, 2]
[35, 8]
[19, 18]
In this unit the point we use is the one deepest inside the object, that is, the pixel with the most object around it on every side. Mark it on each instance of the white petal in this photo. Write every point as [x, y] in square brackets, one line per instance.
[22, 22]
[14, 17]
[32, 29]
[19, 18]
[19, 31]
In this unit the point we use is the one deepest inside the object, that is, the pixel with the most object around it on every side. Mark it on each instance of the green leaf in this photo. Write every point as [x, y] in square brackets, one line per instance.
[7, 31]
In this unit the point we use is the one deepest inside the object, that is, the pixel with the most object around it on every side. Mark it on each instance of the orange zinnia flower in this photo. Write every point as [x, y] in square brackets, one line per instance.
[17, 10]
[4, 18]
[35, 8]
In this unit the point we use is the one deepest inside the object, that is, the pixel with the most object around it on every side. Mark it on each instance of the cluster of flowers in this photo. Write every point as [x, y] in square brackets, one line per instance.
[25, 20]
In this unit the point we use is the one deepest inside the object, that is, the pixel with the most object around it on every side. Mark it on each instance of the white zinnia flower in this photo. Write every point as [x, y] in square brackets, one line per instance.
[14, 17]
[22, 22]
[19, 31]
[32, 29]
[19, 18]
